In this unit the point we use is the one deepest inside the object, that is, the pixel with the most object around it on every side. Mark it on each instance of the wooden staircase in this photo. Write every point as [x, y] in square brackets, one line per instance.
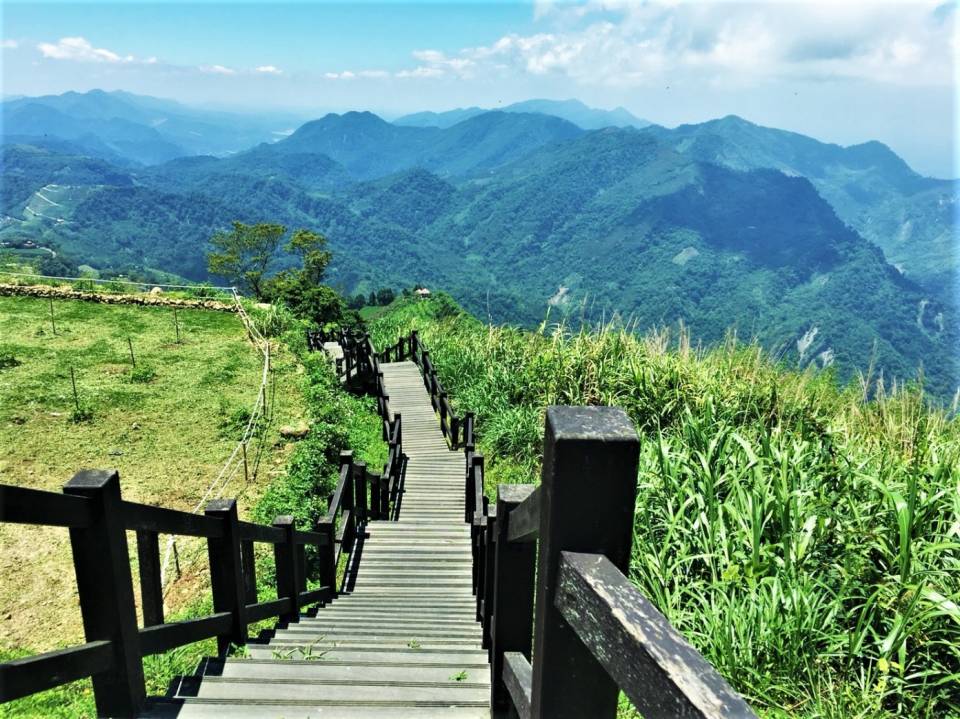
[402, 640]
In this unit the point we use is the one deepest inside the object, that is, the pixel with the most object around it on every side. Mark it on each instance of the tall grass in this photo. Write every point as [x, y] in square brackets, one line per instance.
[806, 540]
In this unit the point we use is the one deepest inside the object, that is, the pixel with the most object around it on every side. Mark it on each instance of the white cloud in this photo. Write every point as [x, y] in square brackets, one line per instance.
[269, 70]
[630, 44]
[79, 49]
[9, 44]
[353, 75]
[217, 70]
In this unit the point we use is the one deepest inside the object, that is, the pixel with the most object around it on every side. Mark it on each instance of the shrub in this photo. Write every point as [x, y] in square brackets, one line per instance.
[83, 413]
[7, 359]
[143, 374]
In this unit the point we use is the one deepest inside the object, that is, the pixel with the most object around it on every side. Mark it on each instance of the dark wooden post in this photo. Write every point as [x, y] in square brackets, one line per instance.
[360, 491]
[486, 582]
[249, 571]
[514, 579]
[226, 572]
[375, 484]
[425, 357]
[442, 402]
[285, 556]
[327, 555]
[102, 565]
[398, 425]
[587, 497]
[454, 432]
[151, 590]
[414, 342]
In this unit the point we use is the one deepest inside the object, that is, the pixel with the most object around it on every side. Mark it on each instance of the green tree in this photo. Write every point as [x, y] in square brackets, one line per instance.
[302, 289]
[243, 254]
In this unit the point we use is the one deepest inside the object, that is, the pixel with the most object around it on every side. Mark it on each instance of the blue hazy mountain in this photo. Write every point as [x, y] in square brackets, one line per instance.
[584, 117]
[142, 129]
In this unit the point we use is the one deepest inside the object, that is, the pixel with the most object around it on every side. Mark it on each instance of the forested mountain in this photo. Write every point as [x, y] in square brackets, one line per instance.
[369, 147]
[520, 214]
[584, 117]
[910, 217]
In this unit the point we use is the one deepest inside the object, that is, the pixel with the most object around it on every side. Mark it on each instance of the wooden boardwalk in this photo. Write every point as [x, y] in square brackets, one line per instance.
[403, 641]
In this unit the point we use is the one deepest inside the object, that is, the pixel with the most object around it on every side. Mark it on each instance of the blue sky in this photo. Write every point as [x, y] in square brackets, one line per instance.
[844, 71]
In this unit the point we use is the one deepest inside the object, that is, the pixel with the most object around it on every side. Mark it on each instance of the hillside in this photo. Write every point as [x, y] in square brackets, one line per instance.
[801, 538]
[167, 425]
[910, 217]
[718, 226]
[369, 147]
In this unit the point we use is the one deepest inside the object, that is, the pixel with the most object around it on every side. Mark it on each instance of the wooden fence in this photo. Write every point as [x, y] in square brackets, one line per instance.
[565, 629]
[92, 508]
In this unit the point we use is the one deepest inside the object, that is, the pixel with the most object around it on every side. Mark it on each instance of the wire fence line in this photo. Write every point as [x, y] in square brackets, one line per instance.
[238, 459]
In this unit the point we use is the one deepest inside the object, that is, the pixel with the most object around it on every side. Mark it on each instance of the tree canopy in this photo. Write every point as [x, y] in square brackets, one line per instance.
[243, 254]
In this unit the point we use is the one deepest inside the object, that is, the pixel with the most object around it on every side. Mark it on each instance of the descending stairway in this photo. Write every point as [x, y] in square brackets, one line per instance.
[403, 642]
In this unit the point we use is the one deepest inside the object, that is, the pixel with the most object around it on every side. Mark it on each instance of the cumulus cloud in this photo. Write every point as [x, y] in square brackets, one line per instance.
[269, 70]
[217, 70]
[79, 49]
[353, 75]
[9, 44]
[633, 44]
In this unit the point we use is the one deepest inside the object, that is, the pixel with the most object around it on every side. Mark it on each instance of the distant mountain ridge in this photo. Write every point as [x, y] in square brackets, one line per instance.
[369, 147]
[716, 225]
[584, 117]
[141, 129]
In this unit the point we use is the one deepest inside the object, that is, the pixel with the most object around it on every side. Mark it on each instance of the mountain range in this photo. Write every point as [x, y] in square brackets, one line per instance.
[588, 118]
[136, 129]
[830, 256]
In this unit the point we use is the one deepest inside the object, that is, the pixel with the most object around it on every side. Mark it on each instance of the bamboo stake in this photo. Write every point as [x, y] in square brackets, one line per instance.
[133, 359]
[53, 322]
[73, 381]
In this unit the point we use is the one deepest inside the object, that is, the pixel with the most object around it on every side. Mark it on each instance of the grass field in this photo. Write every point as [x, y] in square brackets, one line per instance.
[167, 426]
[806, 540]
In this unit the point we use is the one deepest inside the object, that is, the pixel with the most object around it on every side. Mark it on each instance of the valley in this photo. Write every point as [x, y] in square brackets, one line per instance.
[720, 227]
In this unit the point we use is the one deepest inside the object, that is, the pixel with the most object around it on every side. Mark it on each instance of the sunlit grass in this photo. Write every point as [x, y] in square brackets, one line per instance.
[805, 540]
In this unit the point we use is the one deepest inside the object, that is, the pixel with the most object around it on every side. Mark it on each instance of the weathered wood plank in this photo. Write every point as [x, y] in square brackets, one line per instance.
[661, 673]
[143, 517]
[523, 524]
[518, 678]
[20, 505]
[154, 640]
[29, 675]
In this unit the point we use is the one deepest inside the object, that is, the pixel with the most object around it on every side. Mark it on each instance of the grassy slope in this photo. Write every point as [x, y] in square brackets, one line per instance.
[168, 437]
[804, 540]
[215, 362]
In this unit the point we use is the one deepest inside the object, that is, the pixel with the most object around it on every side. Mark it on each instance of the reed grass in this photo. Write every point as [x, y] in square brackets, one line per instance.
[805, 537]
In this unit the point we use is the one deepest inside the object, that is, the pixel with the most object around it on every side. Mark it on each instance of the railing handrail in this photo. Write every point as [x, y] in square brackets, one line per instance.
[98, 518]
[621, 641]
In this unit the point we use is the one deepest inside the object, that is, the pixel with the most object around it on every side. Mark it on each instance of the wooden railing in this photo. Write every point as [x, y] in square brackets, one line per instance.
[550, 568]
[92, 508]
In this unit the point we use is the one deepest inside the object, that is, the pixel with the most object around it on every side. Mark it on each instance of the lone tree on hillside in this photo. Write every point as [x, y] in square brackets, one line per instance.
[301, 290]
[243, 254]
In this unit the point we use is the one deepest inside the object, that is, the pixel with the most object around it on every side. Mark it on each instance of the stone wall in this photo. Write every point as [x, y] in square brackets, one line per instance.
[156, 300]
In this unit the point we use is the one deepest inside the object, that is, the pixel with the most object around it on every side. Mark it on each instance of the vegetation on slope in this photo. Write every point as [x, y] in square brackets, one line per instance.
[803, 539]
[180, 425]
